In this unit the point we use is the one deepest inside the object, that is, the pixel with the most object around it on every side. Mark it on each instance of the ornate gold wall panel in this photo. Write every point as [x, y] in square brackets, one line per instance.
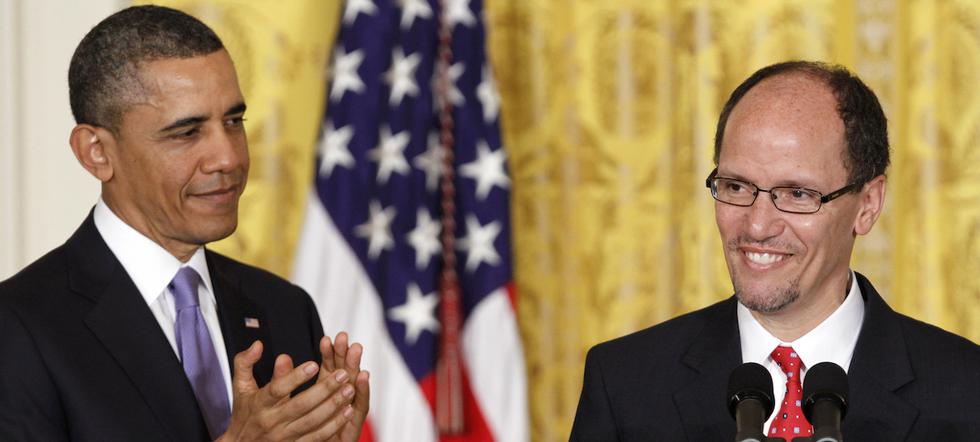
[609, 109]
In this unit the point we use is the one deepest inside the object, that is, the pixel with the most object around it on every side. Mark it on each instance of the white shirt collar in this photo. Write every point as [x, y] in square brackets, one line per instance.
[832, 340]
[149, 265]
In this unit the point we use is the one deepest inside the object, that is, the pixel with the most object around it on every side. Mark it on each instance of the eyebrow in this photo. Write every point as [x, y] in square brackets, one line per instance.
[238, 108]
[735, 176]
[793, 182]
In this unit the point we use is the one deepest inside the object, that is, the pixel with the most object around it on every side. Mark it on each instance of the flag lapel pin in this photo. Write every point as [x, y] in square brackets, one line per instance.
[251, 323]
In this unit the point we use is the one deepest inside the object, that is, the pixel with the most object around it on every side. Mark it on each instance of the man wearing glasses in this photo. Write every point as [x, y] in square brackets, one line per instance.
[801, 150]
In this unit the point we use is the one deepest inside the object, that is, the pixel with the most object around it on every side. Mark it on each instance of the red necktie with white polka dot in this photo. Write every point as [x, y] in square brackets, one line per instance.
[790, 422]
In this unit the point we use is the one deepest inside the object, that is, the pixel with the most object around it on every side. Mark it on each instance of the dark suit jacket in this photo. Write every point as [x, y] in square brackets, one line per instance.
[82, 357]
[909, 381]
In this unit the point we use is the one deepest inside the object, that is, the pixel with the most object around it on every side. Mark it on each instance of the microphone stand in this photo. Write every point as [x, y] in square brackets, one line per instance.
[750, 418]
[826, 423]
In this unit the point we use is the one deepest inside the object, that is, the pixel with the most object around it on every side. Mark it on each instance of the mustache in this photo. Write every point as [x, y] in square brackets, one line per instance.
[775, 244]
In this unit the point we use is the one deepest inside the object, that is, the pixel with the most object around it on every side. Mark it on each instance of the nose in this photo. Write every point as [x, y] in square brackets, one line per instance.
[227, 151]
[764, 219]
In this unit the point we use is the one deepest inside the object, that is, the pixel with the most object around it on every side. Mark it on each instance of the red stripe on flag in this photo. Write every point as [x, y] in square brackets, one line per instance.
[476, 428]
[512, 296]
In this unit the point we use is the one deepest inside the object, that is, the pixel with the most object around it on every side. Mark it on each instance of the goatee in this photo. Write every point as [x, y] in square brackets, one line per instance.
[771, 302]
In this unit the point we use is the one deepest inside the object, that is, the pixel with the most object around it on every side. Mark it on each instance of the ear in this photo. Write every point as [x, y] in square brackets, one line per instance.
[872, 199]
[89, 143]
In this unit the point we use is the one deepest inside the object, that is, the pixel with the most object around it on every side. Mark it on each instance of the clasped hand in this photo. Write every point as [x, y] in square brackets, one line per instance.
[332, 409]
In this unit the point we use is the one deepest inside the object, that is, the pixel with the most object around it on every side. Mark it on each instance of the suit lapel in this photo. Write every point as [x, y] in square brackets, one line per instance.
[880, 367]
[122, 322]
[234, 309]
[712, 356]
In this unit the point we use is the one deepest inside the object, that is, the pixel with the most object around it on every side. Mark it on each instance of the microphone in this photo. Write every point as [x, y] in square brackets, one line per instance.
[750, 401]
[825, 401]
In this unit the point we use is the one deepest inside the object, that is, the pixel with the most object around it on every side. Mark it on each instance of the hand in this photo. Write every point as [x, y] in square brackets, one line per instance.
[337, 356]
[269, 413]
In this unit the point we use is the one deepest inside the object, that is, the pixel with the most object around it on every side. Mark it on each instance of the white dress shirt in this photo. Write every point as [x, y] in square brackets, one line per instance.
[832, 340]
[151, 267]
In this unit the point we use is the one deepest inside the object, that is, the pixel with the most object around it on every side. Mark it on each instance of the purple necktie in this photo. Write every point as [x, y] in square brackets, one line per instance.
[197, 353]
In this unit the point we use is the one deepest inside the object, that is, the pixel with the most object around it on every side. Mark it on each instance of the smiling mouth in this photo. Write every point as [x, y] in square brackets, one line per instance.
[222, 196]
[764, 258]
[219, 191]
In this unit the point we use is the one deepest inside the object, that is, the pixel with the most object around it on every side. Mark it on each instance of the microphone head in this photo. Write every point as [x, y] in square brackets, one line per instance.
[825, 380]
[750, 381]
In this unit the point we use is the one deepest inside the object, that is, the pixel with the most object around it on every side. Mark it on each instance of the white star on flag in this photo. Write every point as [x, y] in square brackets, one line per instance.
[344, 73]
[458, 11]
[486, 91]
[401, 77]
[390, 154]
[333, 149]
[424, 238]
[417, 313]
[355, 7]
[487, 169]
[430, 162]
[478, 243]
[411, 9]
[377, 229]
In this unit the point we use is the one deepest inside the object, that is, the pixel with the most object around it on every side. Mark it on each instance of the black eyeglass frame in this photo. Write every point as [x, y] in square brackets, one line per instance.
[824, 199]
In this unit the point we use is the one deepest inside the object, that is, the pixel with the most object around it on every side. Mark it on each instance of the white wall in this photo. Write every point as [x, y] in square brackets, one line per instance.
[44, 193]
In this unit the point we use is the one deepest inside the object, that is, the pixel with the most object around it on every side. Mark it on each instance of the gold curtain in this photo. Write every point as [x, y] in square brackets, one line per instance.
[609, 108]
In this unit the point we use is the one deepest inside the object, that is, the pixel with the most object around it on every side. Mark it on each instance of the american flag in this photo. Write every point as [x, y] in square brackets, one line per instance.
[411, 91]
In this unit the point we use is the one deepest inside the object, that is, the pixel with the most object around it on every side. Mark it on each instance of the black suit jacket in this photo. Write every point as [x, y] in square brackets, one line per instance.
[82, 357]
[909, 381]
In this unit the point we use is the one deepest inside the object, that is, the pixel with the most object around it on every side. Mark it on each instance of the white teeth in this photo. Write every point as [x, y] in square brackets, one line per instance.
[764, 258]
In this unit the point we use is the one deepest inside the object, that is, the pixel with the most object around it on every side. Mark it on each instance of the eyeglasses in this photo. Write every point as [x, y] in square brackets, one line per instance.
[787, 199]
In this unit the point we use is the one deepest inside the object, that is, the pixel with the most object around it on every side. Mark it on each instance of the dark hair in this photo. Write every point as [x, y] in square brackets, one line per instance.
[103, 77]
[865, 126]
